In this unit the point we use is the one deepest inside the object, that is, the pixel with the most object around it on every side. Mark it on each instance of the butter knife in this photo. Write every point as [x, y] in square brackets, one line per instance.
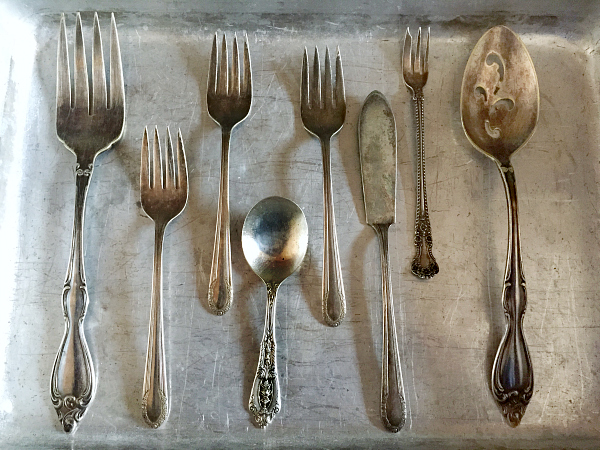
[377, 149]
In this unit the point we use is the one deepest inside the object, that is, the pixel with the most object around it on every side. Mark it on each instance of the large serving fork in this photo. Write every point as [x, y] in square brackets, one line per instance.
[415, 68]
[323, 113]
[164, 193]
[87, 130]
[229, 99]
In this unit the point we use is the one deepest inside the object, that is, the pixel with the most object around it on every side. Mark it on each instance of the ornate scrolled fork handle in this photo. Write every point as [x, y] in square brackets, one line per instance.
[415, 69]
[512, 373]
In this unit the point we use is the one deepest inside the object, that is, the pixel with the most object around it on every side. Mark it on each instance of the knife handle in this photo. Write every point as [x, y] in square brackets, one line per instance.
[393, 407]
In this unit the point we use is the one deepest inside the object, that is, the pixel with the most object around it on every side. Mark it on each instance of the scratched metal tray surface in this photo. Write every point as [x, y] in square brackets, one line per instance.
[448, 327]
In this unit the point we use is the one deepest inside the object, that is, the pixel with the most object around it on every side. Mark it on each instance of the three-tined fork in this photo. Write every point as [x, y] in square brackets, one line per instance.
[164, 193]
[86, 130]
[323, 113]
[415, 68]
[229, 99]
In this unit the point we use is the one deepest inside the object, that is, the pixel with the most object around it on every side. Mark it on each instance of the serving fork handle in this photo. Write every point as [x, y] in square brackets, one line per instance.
[155, 399]
[512, 373]
[73, 384]
[219, 287]
[393, 405]
[333, 296]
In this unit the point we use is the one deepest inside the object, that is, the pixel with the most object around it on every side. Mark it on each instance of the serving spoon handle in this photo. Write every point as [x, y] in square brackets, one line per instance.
[512, 373]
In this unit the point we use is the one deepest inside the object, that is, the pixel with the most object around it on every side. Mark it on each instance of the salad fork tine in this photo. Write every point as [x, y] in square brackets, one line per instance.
[86, 133]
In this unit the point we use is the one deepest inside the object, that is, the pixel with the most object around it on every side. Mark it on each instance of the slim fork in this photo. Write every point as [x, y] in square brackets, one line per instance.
[415, 68]
[164, 193]
[86, 129]
[229, 99]
[323, 113]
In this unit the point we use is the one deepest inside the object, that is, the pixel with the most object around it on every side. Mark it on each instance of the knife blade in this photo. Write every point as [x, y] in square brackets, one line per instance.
[377, 149]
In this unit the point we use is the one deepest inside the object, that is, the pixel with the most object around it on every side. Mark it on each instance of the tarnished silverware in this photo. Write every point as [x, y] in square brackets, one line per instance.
[164, 193]
[415, 68]
[499, 106]
[323, 113]
[86, 130]
[274, 241]
[229, 99]
[377, 149]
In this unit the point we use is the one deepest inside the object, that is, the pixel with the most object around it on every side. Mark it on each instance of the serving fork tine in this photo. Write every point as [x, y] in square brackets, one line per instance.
[323, 112]
[164, 193]
[229, 98]
[415, 69]
[86, 128]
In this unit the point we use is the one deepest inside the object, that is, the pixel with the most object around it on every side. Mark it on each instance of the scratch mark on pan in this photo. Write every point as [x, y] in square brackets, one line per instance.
[187, 358]
[215, 368]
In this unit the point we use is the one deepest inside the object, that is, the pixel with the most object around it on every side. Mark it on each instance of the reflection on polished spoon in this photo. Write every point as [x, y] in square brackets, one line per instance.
[274, 241]
[499, 106]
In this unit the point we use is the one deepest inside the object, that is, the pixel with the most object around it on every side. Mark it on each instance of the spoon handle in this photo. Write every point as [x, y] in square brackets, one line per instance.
[393, 408]
[219, 286]
[155, 399]
[264, 397]
[333, 296]
[512, 373]
[424, 264]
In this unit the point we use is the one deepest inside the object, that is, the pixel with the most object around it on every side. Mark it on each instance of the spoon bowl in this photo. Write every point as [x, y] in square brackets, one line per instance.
[274, 241]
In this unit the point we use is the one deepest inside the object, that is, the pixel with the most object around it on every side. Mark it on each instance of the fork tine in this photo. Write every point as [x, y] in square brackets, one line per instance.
[156, 163]
[212, 70]
[234, 81]
[247, 87]
[326, 93]
[98, 74]
[426, 56]
[315, 86]
[82, 96]
[340, 92]
[304, 97]
[406, 55]
[63, 77]
[418, 63]
[144, 170]
[169, 177]
[222, 69]
[181, 164]
[117, 87]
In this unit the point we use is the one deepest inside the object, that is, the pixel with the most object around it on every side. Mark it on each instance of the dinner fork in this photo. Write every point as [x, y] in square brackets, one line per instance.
[164, 193]
[415, 68]
[229, 100]
[323, 113]
[86, 130]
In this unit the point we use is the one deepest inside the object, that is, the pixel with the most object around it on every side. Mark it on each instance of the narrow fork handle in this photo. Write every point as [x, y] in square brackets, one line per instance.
[393, 407]
[424, 264]
[265, 400]
[333, 297]
[73, 383]
[219, 288]
[155, 399]
[512, 373]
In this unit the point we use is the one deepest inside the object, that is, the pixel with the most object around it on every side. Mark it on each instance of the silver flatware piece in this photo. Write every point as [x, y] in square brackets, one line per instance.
[87, 123]
[377, 149]
[229, 98]
[164, 193]
[499, 106]
[415, 69]
[323, 113]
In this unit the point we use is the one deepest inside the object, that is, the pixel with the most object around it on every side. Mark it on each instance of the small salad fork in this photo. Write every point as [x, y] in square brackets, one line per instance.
[86, 130]
[229, 99]
[164, 193]
[415, 68]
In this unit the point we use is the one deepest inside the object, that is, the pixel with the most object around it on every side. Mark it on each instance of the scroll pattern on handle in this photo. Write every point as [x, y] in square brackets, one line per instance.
[264, 398]
[512, 373]
[72, 384]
